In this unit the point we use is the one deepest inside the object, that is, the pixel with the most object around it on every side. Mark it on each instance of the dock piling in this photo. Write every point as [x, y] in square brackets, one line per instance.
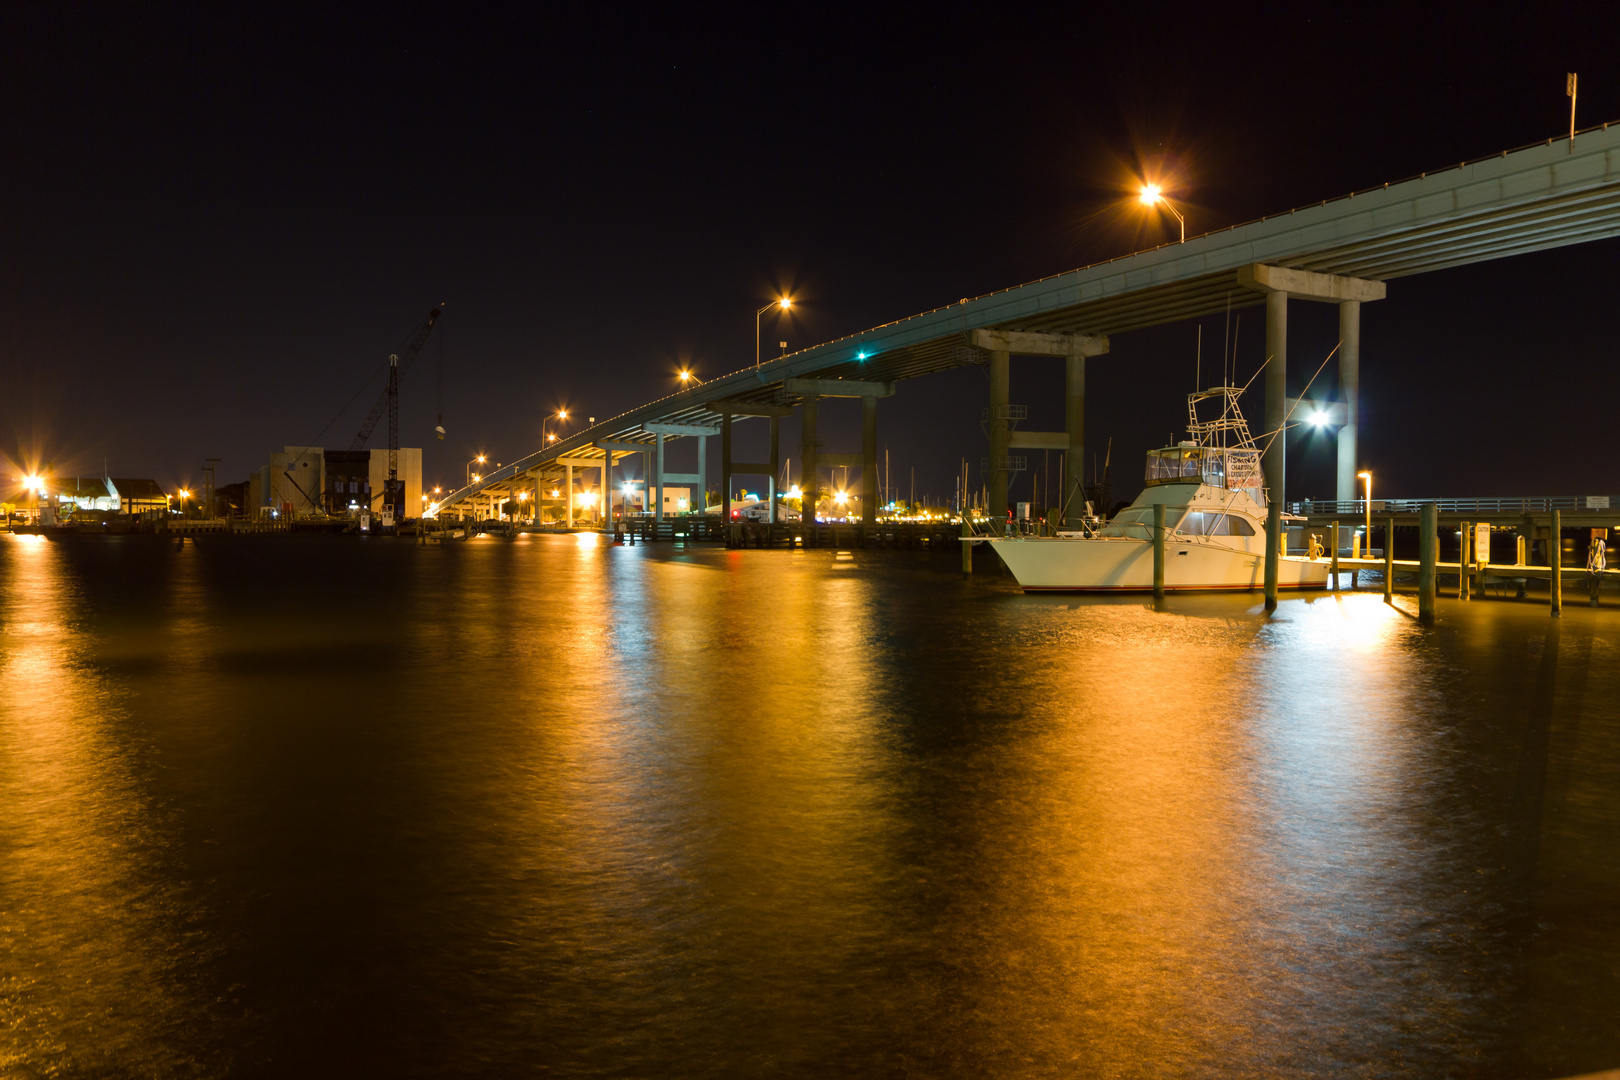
[967, 549]
[1158, 551]
[1462, 561]
[1555, 563]
[1333, 539]
[1428, 544]
[1389, 560]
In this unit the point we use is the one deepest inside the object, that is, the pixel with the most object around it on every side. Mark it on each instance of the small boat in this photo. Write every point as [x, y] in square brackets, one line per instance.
[1214, 500]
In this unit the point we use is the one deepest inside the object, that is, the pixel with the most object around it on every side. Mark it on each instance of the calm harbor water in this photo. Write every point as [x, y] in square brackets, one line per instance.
[331, 807]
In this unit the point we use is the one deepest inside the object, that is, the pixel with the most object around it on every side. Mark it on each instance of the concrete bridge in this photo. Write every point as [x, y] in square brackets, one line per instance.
[1340, 251]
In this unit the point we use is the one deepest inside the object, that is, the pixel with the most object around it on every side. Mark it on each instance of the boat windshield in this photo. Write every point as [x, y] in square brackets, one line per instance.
[1137, 522]
[1200, 523]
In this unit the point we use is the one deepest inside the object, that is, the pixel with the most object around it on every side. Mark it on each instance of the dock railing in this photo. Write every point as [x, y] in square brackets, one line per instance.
[1532, 504]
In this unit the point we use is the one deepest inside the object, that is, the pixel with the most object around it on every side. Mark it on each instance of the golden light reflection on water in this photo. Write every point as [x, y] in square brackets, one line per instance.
[561, 804]
[96, 932]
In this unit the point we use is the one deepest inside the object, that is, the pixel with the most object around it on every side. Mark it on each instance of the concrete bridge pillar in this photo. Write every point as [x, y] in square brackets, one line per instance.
[658, 472]
[1279, 283]
[725, 470]
[808, 439]
[996, 476]
[568, 494]
[1074, 394]
[1273, 461]
[776, 463]
[1350, 387]
[869, 471]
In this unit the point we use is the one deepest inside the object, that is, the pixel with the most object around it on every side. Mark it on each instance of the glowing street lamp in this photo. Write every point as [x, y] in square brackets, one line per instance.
[1366, 477]
[479, 460]
[687, 377]
[784, 303]
[551, 437]
[1153, 195]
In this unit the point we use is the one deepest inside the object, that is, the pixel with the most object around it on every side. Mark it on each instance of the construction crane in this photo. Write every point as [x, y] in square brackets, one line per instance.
[398, 364]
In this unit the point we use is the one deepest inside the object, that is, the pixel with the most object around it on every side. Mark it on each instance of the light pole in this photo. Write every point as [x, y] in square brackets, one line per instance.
[1153, 195]
[687, 377]
[547, 438]
[784, 303]
[1366, 477]
[479, 460]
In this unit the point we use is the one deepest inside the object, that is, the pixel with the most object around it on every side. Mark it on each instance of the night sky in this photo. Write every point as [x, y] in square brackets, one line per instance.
[217, 223]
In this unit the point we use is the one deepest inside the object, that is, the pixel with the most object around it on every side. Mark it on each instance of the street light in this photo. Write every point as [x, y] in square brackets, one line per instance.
[479, 460]
[548, 437]
[784, 303]
[686, 376]
[1367, 478]
[1153, 195]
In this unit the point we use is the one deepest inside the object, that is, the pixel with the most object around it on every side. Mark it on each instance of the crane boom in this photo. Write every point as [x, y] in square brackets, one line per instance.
[399, 364]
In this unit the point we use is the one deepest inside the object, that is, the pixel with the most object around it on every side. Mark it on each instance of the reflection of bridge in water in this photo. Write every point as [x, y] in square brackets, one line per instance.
[1339, 251]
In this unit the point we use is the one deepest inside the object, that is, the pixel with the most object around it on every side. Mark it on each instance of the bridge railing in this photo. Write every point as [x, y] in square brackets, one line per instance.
[1530, 504]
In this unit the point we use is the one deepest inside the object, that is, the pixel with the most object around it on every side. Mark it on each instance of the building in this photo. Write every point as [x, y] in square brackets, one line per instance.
[137, 497]
[311, 480]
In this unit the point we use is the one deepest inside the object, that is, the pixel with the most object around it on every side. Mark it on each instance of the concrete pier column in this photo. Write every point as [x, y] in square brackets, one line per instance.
[699, 502]
[807, 455]
[568, 495]
[1350, 387]
[869, 471]
[725, 470]
[607, 490]
[658, 473]
[1276, 410]
[1074, 461]
[776, 463]
[1000, 391]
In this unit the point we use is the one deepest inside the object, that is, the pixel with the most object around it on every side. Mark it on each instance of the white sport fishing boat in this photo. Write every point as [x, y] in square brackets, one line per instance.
[1214, 500]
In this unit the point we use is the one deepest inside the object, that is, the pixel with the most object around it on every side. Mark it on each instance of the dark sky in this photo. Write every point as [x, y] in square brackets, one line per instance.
[218, 221]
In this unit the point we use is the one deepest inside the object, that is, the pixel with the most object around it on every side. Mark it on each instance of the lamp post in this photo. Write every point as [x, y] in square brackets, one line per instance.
[687, 377]
[784, 303]
[1153, 195]
[1366, 477]
[547, 438]
[479, 460]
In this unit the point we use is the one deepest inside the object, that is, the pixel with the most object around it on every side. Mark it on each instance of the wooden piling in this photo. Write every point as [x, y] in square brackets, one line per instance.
[1158, 551]
[1555, 563]
[1462, 560]
[1428, 543]
[1333, 539]
[1389, 560]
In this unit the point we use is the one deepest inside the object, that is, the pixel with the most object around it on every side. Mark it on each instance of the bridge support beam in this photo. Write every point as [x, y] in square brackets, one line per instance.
[1350, 388]
[997, 476]
[808, 440]
[869, 472]
[1073, 502]
[1002, 345]
[1273, 460]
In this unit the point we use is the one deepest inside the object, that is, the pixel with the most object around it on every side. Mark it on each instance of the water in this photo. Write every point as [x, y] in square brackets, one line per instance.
[330, 807]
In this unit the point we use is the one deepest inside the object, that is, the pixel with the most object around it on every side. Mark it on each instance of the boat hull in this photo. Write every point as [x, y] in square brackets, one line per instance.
[1048, 564]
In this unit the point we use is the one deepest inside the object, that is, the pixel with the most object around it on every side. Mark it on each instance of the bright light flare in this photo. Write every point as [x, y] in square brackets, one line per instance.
[786, 302]
[1319, 418]
[1150, 194]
